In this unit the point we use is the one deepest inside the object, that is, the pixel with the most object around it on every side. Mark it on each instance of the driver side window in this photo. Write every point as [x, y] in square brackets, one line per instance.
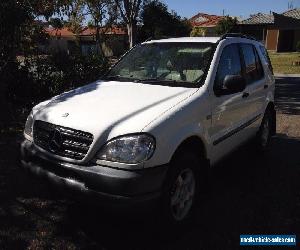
[229, 64]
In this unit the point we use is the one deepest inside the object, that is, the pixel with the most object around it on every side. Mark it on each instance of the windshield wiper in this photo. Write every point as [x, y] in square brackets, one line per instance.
[155, 80]
[119, 77]
[112, 77]
[160, 80]
[149, 80]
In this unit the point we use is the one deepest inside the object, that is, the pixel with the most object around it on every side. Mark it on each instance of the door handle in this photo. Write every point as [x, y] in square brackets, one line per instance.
[245, 95]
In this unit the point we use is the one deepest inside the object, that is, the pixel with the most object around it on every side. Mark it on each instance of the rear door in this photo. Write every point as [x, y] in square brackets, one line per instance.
[254, 95]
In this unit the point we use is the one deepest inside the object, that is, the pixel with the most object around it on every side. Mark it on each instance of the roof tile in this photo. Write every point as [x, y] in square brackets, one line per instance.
[259, 18]
[65, 32]
[294, 13]
[205, 20]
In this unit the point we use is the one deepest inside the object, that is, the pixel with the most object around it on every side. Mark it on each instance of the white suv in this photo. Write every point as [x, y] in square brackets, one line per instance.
[152, 127]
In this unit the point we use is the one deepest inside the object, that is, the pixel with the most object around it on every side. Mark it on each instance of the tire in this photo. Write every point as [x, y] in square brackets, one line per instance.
[181, 189]
[264, 135]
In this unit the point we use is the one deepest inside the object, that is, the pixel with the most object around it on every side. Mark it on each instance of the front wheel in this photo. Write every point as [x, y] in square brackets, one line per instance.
[181, 188]
[182, 194]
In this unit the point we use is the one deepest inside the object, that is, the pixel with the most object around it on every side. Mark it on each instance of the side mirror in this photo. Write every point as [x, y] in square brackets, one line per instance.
[234, 83]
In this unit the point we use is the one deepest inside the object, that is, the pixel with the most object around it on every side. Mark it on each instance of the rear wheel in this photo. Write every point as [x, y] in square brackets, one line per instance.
[264, 134]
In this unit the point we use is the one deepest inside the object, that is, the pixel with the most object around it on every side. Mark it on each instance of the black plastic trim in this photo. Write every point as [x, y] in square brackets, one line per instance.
[94, 179]
[238, 129]
[236, 35]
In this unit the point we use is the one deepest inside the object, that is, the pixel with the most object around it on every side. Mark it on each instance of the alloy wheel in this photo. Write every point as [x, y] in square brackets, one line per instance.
[182, 194]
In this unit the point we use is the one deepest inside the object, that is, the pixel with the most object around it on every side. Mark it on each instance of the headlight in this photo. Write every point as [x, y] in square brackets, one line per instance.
[128, 149]
[29, 125]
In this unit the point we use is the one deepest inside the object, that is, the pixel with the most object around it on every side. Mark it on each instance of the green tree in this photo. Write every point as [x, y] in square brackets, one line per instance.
[57, 24]
[18, 23]
[158, 22]
[103, 14]
[198, 31]
[129, 11]
[19, 32]
[226, 25]
[76, 16]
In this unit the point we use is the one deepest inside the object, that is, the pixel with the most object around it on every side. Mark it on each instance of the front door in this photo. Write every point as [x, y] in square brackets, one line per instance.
[229, 111]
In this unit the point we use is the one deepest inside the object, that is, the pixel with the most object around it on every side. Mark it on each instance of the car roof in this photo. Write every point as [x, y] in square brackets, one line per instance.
[187, 40]
[201, 40]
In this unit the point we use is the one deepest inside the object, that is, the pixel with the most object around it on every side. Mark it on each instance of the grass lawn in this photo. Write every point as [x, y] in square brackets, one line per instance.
[283, 62]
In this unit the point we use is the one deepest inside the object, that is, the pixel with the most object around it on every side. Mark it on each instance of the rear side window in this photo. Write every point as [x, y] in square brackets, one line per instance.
[266, 56]
[259, 66]
[229, 64]
[253, 67]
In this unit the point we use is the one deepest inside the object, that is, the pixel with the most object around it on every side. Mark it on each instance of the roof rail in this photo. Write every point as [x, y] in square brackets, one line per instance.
[148, 39]
[157, 38]
[240, 35]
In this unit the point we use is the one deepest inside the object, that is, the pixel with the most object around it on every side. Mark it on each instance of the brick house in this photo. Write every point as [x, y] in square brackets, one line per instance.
[279, 32]
[65, 40]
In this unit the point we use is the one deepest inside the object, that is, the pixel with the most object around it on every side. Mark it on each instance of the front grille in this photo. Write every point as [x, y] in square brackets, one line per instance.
[62, 141]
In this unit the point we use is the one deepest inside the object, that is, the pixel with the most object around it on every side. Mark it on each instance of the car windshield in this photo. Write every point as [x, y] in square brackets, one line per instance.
[172, 64]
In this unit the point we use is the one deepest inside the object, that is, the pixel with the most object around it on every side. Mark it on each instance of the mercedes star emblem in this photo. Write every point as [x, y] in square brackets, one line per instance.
[56, 141]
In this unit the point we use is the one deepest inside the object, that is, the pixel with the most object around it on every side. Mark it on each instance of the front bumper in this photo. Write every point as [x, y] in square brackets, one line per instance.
[99, 183]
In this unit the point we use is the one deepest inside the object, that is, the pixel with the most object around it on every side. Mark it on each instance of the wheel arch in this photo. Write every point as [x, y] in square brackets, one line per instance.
[271, 107]
[193, 144]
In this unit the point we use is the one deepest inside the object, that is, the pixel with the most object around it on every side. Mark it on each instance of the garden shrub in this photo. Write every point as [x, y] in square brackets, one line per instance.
[40, 78]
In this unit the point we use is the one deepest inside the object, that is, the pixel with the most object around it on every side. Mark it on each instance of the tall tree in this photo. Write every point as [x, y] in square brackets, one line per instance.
[129, 11]
[76, 16]
[158, 22]
[103, 14]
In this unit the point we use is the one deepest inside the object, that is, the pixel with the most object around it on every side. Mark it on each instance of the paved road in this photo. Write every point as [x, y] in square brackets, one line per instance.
[249, 194]
[288, 95]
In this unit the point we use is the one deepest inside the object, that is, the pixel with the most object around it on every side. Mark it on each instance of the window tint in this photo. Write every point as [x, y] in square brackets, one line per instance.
[176, 64]
[266, 56]
[253, 68]
[229, 64]
[260, 71]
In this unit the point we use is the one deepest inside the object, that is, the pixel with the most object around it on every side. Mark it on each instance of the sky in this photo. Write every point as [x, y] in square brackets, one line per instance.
[239, 8]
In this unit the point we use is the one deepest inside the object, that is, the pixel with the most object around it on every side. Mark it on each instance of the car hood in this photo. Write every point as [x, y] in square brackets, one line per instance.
[109, 109]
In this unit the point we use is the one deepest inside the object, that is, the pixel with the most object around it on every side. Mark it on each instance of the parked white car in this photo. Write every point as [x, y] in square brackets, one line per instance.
[151, 129]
